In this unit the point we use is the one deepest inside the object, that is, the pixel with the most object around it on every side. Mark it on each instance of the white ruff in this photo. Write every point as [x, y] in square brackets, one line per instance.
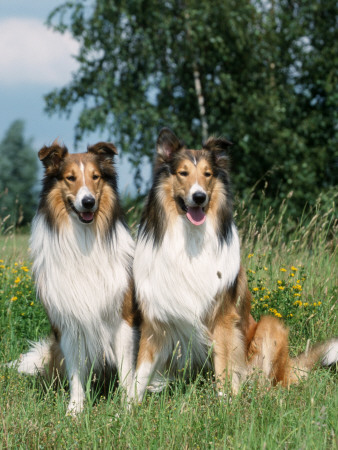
[178, 281]
[81, 279]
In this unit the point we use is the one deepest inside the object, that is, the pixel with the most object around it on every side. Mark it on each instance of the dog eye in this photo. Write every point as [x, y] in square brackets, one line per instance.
[71, 178]
[207, 174]
[96, 177]
[183, 173]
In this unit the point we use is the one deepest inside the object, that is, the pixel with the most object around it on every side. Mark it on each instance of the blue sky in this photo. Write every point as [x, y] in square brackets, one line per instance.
[34, 61]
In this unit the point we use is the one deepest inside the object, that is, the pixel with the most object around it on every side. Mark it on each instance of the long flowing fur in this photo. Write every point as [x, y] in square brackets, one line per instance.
[82, 272]
[190, 286]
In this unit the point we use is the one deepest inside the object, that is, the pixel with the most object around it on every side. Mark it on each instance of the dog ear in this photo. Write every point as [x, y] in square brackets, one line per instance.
[167, 144]
[219, 147]
[105, 150]
[52, 156]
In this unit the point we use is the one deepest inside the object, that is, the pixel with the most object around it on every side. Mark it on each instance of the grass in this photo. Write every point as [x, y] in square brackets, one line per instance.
[189, 415]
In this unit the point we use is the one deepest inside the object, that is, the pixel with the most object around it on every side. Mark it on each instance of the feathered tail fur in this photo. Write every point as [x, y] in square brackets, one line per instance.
[269, 352]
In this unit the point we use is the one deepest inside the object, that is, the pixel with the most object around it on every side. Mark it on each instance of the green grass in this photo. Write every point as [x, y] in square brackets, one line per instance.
[189, 415]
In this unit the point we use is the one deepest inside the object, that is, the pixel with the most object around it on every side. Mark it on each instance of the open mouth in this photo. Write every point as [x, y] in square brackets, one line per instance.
[84, 217]
[195, 214]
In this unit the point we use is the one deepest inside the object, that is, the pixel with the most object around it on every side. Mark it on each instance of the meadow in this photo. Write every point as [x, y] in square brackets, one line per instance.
[291, 267]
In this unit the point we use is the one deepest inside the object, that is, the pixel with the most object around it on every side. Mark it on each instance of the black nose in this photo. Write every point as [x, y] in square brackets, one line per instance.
[199, 197]
[88, 202]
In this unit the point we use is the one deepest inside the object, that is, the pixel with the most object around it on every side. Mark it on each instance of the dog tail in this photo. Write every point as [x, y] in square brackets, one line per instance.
[44, 357]
[325, 353]
[268, 351]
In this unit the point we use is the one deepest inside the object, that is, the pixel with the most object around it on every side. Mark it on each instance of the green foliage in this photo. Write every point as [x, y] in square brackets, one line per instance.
[267, 75]
[18, 169]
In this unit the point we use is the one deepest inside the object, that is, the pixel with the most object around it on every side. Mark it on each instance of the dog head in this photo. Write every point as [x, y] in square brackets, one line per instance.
[77, 182]
[196, 177]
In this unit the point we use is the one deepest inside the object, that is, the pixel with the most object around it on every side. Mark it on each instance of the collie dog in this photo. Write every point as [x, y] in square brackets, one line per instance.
[190, 286]
[82, 264]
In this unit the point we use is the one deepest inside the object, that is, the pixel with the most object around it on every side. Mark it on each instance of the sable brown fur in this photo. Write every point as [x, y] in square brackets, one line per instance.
[239, 344]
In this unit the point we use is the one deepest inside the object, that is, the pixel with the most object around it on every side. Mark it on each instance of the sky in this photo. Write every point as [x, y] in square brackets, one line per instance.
[33, 61]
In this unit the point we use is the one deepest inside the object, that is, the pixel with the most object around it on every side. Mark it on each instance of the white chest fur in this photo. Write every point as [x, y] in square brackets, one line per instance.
[179, 280]
[80, 278]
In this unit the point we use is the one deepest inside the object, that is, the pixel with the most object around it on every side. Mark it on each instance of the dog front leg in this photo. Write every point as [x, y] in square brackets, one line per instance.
[229, 353]
[147, 362]
[73, 348]
[125, 348]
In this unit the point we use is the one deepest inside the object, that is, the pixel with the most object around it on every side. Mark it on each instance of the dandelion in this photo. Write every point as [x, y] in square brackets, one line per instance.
[294, 268]
[282, 269]
[17, 280]
[306, 304]
[277, 314]
[296, 294]
[315, 304]
[250, 255]
[281, 288]
[13, 299]
[292, 274]
[266, 297]
[2, 266]
[298, 302]
[255, 289]
[319, 303]
[279, 282]
[25, 269]
[15, 264]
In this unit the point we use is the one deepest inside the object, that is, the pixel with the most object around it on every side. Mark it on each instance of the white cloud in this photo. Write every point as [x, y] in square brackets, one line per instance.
[30, 53]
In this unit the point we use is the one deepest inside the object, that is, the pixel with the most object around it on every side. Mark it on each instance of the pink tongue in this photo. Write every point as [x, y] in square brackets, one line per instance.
[87, 216]
[196, 215]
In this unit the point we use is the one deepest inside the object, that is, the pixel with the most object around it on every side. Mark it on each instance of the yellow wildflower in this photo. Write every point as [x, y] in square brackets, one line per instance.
[281, 288]
[15, 264]
[31, 303]
[266, 297]
[296, 294]
[282, 269]
[319, 303]
[315, 304]
[17, 280]
[1, 260]
[2, 266]
[292, 274]
[25, 269]
[279, 282]
[263, 288]
[297, 286]
[250, 255]
[290, 315]
[255, 289]
[265, 305]
[306, 304]
[265, 268]
[13, 299]
[294, 268]
[277, 314]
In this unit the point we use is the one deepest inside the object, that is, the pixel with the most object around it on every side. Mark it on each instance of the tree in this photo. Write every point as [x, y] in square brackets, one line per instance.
[18, 169]
[233, 68]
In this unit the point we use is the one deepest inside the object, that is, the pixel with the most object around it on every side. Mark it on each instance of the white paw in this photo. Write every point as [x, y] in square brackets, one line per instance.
[75, 407]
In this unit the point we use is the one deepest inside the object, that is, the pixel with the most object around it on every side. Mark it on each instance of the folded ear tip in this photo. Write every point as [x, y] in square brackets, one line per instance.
[103, 148]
